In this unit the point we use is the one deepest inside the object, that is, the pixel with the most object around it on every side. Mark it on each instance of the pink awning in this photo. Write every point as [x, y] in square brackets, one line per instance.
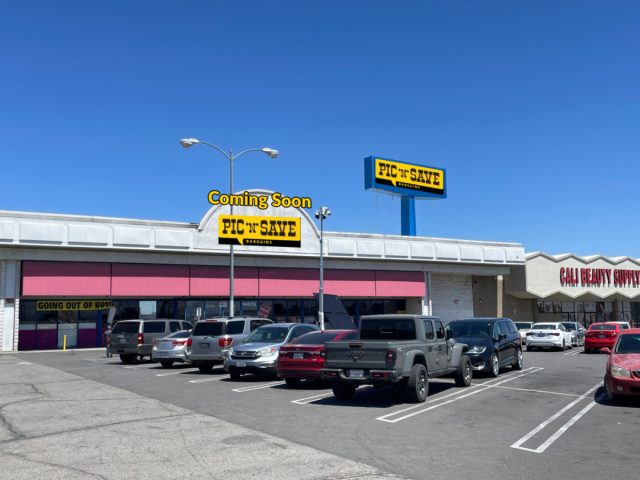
[129, 279]
[210, 281]
[66, 278]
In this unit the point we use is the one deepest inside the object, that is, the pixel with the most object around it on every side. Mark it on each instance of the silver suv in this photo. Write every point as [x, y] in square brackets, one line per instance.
[133, 339]
[212, 338]
[259, 351]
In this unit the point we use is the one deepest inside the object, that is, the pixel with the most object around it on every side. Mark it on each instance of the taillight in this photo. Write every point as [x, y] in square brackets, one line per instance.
[189, 342]
[323, 354]
[140, 338]
[390, 356]
[175, 343]
[225, 342]
[155, 343]
[555, 334]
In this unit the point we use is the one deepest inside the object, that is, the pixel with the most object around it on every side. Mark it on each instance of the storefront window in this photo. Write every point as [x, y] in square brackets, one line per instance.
[279, 311]
[193, 310]
[148, 309]
[266, 307]
[377, 307]
[126, 310]
[249, 308]
[294, 311]
[165, 309]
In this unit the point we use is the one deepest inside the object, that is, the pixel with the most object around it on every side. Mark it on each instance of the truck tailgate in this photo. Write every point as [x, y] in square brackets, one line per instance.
[367, 354]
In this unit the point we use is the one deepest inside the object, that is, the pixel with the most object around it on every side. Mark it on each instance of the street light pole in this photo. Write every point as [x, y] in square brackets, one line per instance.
[272, 153]
[321, 213]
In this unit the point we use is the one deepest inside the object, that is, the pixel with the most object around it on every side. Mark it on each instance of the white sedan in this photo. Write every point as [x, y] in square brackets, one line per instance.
[548, 335]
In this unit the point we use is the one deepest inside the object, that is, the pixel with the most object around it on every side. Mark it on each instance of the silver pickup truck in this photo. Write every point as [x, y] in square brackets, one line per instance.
[406, 350]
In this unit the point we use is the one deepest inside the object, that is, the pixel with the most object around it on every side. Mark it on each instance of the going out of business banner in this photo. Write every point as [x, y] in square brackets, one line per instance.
[264, 231]
[48, 305]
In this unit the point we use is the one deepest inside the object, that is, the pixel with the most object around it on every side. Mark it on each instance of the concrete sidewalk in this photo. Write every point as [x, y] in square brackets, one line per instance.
[57, 425]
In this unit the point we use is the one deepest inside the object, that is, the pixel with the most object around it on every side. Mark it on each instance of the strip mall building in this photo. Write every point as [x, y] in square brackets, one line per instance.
[59, 274]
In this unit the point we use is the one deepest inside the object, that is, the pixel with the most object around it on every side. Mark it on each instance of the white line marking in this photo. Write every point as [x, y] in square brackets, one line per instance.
[257, 387]
[565, 427]
[304, 401]
[533, 432]
[481, 388]
[178, 372]
[538, 391]
[576, 352]
[208, 379]
[23, 363]
[142, 365]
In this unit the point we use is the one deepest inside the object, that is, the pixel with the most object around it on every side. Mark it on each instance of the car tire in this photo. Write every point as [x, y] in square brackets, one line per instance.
[465, 372]
[292, 382]
[530, 349]
[205, 368]
[494, 365]
[611, 397]
[564, 346]
[167, 364]
[127, 358]
[417, 388]
[342, 390]
[518, 364]
[234, 374]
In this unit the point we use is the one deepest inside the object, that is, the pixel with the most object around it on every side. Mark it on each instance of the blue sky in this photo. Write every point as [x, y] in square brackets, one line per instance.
[533, 108]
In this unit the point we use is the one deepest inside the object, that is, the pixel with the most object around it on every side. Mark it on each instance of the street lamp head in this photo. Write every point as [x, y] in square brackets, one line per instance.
[272, 152]
[323, 212]
[189, 142]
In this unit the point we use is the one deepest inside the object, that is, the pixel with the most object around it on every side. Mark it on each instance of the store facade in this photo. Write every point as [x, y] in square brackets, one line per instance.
[554, 288]
[61, 274]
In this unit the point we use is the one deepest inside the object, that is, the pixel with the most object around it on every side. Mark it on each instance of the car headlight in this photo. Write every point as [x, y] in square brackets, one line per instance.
[620, 372]
[477, 349]
[266, 352]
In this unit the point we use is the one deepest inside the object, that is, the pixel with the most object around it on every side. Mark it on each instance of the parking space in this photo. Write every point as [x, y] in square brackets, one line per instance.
[529, 419]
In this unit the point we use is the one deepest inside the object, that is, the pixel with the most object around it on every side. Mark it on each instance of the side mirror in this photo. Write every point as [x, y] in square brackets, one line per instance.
[449, 334]
[606, 350]
[501, 336]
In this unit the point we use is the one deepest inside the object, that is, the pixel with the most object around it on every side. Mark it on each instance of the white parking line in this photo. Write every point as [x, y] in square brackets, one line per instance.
[23, 363]
[208, 379]
[143, 365]
[257, 387]
[538, 391]
[178, 372]
[553, 417]
[481, 388]
[575, 352]
[304, 401]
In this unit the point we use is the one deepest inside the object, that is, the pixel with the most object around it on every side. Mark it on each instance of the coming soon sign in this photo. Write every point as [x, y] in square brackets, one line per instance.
[403, 178]
[265, 231]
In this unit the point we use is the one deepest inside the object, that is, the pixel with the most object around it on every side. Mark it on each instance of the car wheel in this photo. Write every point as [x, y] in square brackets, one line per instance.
[342, 390]
[518, 364]
[417, 387]
[530, 349]
[127, 358]
[234, 374]
[564, 345]
[465, 373]
[206, 368]
[494, 365]
[611, 397]
[167, 364]
[292, 382]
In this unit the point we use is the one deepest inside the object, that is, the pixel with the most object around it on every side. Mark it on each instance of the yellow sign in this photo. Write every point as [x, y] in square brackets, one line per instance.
[45, 305]
[407, 175]
[265, 231]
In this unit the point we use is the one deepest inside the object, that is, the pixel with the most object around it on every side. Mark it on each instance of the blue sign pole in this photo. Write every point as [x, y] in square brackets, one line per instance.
[408, 216]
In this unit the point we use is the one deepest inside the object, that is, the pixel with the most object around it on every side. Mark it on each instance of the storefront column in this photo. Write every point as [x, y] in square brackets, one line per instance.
[499, 295]
[9, 304]
[427, 305]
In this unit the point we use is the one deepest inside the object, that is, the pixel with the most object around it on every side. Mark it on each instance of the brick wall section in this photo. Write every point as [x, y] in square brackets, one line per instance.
[451, 296]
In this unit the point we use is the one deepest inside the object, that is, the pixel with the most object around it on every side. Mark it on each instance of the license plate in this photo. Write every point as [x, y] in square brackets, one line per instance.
[601, 336]
[298, 356]
[540, 335]
[241, 364]
[356, 373]
[123, 340]
[204, 345]
[161, 354]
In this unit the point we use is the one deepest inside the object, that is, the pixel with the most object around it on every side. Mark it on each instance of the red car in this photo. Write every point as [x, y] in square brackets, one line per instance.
[623, 367]
[601, 335]
[304, 357]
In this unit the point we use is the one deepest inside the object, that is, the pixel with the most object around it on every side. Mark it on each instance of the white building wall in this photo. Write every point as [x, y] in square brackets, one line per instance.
[9, 310]
[451, 296]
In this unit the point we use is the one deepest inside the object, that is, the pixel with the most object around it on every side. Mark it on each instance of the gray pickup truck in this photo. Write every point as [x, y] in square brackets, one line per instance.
[405, 350]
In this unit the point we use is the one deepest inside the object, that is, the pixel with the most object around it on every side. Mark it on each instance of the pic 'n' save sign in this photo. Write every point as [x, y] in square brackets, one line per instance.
[402, 178]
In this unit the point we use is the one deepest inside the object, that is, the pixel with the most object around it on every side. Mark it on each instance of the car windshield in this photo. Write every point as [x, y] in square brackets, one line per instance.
[544, 326]
[268, 335]
[477, 329]
[388, 329]
[628, 344]
[569, 325]
[602, 327]
[523, 325]
[126, 327]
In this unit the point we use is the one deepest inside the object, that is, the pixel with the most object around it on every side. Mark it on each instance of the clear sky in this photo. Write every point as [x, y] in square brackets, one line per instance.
[533, 107]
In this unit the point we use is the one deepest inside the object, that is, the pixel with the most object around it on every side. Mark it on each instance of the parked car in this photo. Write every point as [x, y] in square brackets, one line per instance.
[600, 335]
[623, 325]
[258, 353]
[622, 376]
[493, 343]
[132, 339]
[170, 349]
[304, 357]
[549, 335]
[577, 332]
[212, 338]
[523, 329]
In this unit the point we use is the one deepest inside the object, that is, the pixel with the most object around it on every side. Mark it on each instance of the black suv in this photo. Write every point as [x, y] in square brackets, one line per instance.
[493, 342]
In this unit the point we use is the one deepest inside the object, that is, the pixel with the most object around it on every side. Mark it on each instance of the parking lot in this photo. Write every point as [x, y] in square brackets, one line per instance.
[549, 420]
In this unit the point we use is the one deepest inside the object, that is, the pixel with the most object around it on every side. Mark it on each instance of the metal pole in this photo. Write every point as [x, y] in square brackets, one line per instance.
[231, 262]
[321, 293]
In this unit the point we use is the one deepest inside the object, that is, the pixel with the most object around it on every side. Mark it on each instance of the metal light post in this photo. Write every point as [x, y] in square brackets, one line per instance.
[321, 213]
[189, 142]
